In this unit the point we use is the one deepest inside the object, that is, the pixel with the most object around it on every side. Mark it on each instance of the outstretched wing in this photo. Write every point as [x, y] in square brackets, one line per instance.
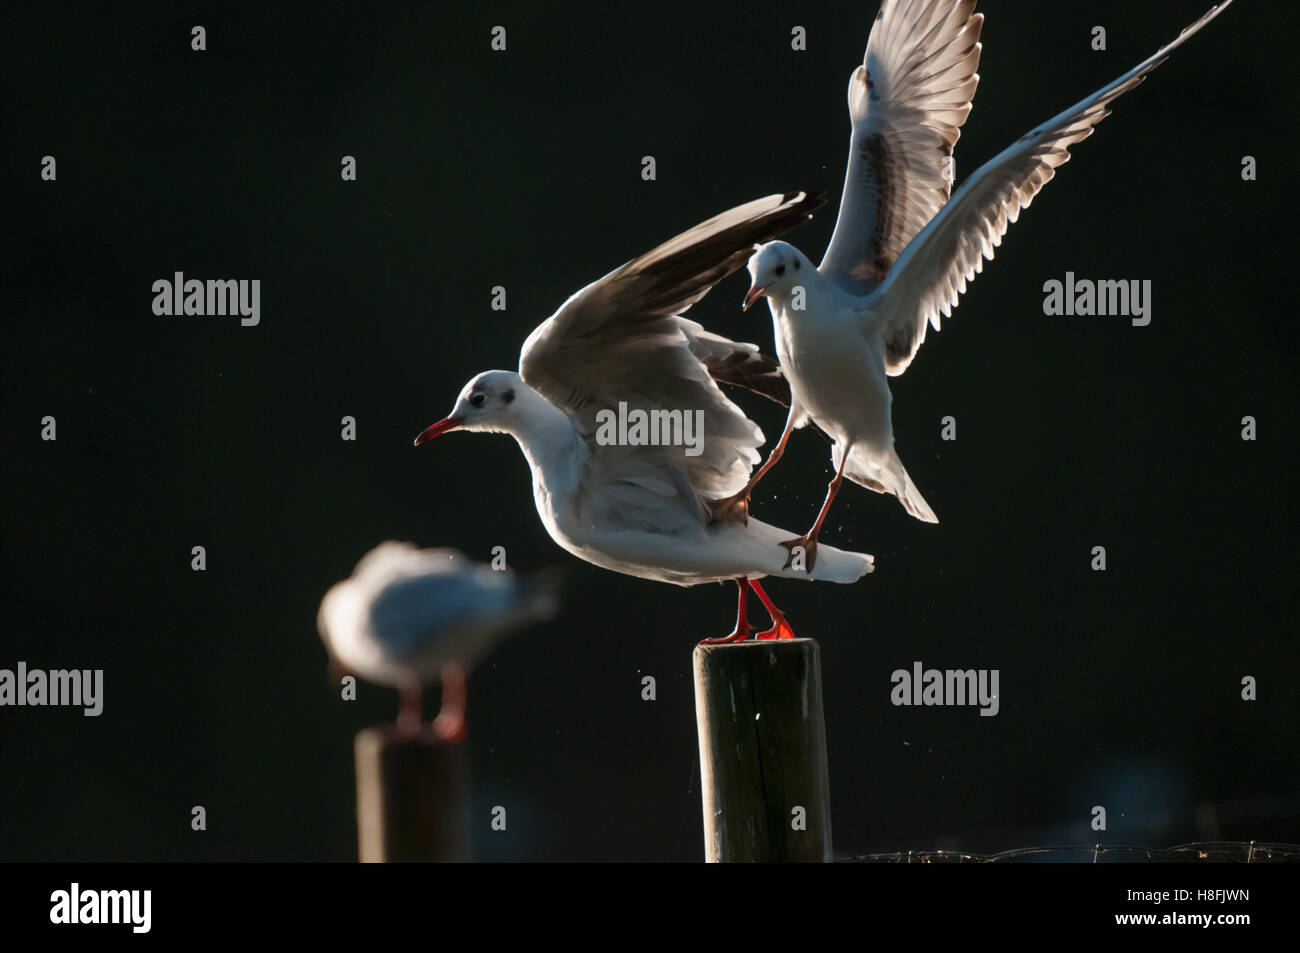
[907, 103]
[620, 340]
[933, 270]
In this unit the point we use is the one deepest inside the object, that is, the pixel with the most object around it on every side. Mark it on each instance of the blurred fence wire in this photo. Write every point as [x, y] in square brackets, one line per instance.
[1233, 852]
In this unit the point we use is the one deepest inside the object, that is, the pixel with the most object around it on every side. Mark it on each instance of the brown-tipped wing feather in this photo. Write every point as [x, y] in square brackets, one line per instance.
[737, 364]
[608, 339]
[743, 365]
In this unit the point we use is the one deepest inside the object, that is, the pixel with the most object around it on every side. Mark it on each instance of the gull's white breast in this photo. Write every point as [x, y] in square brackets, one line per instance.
[835, 373]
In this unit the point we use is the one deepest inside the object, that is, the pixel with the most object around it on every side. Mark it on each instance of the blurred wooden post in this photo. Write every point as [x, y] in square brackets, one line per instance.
[763, 751]
[410, 797]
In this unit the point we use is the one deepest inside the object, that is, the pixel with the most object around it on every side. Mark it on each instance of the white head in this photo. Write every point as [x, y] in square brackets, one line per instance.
[492, 402]
[774, 270]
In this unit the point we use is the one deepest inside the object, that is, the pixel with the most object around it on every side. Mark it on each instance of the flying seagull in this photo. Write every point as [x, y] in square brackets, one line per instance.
[907, 103]
[630, 505]
[407, 616]
[901, 255]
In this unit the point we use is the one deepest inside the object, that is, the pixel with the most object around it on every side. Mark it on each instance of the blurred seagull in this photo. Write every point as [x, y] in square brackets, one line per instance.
[648, 510]
[406, 616]
[900, 256]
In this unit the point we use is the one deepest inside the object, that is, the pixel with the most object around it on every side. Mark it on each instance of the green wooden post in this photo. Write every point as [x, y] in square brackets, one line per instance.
[410, 797]
[763, 770]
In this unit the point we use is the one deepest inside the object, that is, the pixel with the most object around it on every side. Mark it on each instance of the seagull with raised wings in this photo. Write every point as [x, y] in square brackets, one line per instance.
[648, 510]
[902, 253]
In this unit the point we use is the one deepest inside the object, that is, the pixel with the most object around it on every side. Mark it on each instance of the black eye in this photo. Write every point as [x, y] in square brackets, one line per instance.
[796, 264]
[508, 396]
[477, 400]
[780, 270]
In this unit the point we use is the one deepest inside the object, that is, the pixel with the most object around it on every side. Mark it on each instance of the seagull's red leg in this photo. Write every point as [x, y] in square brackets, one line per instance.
[809, 540]
[780, 628]
[450, 723]
[735, 509]
[743, 629]
[411, 711]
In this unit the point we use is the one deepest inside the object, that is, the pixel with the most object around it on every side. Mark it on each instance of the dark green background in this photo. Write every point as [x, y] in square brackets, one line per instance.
[523, 169]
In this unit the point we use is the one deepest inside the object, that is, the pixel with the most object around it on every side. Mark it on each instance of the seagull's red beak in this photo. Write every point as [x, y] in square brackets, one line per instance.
[755, 292]
[442, 426]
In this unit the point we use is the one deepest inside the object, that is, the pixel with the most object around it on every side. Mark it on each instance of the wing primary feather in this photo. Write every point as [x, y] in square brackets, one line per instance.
[934, 269]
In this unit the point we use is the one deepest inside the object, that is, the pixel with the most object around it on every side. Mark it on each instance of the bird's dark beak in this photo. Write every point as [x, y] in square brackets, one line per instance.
[442, 426]
[755, 292]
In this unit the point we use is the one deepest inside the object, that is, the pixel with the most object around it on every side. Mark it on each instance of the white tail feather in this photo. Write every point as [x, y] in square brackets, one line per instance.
[889, 476]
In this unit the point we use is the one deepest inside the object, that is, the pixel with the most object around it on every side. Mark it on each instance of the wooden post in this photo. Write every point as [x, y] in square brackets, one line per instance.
[410, 797]
[763, 751]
